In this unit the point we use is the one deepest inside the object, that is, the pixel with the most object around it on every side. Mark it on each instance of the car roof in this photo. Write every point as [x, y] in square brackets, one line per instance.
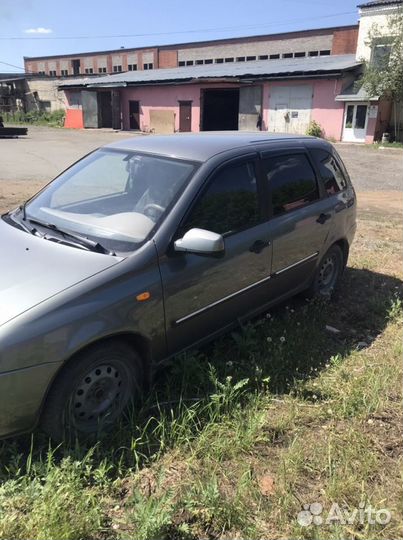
[201, 146]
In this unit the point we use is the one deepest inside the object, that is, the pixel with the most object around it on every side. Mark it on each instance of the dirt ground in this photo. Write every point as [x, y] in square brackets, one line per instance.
[28, 163]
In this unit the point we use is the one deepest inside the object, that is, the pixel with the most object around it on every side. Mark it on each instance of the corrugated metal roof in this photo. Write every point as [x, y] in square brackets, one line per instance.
[375, 3]
[260, 68]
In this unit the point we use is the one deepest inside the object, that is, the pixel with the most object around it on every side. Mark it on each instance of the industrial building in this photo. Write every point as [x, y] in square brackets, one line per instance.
[306, 43]
[276, 83]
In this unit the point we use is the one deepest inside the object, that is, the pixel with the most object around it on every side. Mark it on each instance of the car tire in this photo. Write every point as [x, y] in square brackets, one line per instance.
[91, 392]
[328, 273]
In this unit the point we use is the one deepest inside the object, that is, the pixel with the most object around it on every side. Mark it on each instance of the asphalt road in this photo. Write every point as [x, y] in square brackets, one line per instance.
[27, 163]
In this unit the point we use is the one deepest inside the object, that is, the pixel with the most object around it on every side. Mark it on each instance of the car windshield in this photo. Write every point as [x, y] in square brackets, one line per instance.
[113, 197]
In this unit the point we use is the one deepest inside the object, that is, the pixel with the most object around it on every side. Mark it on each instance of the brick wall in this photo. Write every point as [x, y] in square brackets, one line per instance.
[345, 41]
[168, 59]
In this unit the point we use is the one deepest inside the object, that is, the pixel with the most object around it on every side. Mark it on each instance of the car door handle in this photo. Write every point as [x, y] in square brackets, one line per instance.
[323, 218]
[259, 246]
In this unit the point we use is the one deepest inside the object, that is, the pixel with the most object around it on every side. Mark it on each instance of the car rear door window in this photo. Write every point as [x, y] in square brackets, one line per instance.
[292, 182]
[230, 202]
[330, 171]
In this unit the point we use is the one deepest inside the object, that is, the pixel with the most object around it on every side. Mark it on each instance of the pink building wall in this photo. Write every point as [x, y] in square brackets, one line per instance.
[165, 98]
[161, 98]
[325, 110]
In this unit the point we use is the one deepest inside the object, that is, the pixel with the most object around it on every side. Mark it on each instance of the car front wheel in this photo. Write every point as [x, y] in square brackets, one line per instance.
[91, 392]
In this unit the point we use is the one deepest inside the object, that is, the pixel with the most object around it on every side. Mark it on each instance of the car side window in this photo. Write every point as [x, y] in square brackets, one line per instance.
[292, 182]
[330, 171]
[230, 202]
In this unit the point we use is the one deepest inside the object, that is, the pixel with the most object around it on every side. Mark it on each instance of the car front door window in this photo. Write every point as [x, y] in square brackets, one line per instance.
[230, 202]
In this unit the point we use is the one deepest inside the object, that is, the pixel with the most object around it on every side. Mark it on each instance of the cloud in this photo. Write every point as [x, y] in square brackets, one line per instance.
[39, 30]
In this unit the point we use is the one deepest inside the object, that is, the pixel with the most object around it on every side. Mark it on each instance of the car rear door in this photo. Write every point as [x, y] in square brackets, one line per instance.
[300, 217]
[205, 293]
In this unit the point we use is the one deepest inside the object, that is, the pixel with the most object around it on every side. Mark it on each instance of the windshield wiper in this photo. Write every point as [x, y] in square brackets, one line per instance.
[82, 241]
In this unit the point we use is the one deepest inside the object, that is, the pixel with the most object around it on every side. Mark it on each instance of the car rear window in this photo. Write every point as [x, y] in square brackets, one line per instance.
[292, 182]
[330, 171]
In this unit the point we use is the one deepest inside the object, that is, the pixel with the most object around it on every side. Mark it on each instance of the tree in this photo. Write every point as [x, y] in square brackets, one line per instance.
[383, 74]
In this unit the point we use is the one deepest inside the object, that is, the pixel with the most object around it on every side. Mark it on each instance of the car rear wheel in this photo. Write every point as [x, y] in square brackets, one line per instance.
[328, 273]
[91, 392]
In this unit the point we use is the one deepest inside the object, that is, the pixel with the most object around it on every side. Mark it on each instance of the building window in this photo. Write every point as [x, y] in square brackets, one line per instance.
[64, 72]
[287, 55]
[250, 58]
[88, 71]
[274, 56]
[199, 62]
[381, 54]
[219, 60]
[182, 63]
[189, 62]
[148, 65]
[240, 59]
[313, 53]
[132, 67]
[299, 55]
[41, 73]
[263, 57]
[229, 59]
[208, 61]
[325, 53]
[45, 106]
[117, 68]
[76, 66]
[102, 70]
[52, 73]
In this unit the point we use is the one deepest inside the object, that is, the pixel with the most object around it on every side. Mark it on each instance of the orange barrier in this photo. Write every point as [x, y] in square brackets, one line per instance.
[74, 119]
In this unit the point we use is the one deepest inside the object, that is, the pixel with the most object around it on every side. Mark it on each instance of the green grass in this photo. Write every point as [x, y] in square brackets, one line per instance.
[236, 438]
[36, 118]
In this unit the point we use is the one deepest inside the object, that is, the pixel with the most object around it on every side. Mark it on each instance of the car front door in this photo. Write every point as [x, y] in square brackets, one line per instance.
[205, 293]
[300, 218]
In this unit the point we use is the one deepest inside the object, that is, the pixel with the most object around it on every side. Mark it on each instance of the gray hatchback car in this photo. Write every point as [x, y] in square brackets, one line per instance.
[149, 246]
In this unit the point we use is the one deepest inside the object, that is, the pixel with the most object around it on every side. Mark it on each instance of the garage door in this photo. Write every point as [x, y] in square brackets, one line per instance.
[290, 108]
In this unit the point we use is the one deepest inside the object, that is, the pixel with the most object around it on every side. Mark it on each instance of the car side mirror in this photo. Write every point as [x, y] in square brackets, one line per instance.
[200, 241]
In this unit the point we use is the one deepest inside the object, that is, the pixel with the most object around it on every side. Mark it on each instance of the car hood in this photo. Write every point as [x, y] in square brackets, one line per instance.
[33, 269]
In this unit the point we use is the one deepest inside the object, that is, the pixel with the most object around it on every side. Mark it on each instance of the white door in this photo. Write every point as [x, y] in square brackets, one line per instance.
[290, 108]
[355, 122]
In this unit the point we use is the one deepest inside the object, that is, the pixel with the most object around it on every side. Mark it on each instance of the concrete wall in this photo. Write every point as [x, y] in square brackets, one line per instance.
[45, 91]
[368, 17]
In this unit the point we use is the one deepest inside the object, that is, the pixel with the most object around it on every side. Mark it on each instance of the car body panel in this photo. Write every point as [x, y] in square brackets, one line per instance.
[35, 269]
[21, 395]
[214, 291]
